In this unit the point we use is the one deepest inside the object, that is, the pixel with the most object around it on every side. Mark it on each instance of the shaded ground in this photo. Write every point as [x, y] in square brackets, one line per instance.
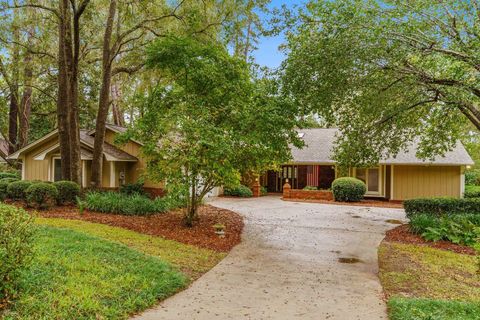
[168, 225]
[289, 265]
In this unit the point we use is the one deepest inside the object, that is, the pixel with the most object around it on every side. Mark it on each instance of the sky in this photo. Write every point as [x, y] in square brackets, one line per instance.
[267, 53]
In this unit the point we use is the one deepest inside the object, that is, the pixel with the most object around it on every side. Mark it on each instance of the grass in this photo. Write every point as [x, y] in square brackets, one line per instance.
[427, 309]
[79, 276]
[428, 283]
[189, 259]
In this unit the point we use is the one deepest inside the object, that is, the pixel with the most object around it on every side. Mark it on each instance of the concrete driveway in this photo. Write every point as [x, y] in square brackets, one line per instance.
[288, 265]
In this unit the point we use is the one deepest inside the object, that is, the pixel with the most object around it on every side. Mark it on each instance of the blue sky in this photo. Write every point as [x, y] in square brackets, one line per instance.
[267, 53]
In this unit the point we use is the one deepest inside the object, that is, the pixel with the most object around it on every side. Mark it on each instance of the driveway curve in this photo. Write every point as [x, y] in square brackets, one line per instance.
[288, 265]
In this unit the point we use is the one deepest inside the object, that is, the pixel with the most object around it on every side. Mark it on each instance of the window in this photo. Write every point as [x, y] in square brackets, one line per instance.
[371, 177]
[362, 175]
[57, 169]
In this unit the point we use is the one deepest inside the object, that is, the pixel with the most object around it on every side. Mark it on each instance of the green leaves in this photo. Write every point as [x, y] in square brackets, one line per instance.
[386, 74]
[207, 122]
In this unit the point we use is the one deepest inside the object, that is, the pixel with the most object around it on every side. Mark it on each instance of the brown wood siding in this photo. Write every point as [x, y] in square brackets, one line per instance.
[426, 181]
[106, 174]
[38, 169]
[134, 171]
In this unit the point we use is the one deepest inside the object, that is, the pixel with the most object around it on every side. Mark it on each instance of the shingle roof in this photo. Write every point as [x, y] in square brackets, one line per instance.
[108, 149]
[320, 143]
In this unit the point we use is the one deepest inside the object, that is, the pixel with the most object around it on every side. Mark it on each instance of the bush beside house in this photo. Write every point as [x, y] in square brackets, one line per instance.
[41, 195]
[16, 190]
[348, 189]
[238, 191]
[68, 191]
[134, 204]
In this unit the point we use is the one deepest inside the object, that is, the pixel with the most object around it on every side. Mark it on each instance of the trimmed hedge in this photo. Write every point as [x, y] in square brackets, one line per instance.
[16, 246]
[9, 175]
[41, 195]
[348, 189]
[311, 188]
[238, 191]
[441, 206]
[68, 191]
[3, 187]
[16, 190]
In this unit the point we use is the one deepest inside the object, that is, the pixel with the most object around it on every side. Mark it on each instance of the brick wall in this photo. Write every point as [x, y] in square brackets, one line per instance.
[307, 194]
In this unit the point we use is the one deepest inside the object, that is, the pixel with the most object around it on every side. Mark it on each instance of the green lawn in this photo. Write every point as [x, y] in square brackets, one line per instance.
[189, 259]
[424, 283]
[84, 270]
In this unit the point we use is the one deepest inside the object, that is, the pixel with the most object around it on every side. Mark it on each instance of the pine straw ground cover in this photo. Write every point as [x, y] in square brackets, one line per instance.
[425, 281]
[168, 225]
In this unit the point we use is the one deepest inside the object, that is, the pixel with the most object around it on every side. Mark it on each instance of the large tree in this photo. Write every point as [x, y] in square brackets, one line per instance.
[206, 121]
[387, 73]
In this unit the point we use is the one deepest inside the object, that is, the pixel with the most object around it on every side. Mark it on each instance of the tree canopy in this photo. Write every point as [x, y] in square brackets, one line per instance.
[386, 73]
[206, 122]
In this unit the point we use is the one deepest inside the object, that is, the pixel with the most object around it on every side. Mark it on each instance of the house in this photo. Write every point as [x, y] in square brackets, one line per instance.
[400, 178]
[3, 150]
[121, 164]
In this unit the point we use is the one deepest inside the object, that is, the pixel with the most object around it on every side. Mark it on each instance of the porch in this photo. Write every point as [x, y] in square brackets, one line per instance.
[321, 176]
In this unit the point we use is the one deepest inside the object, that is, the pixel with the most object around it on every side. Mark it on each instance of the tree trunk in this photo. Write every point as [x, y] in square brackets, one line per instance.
[26, 103]
[63, 102]
[104, 100]
[12, 123]
[74, 53]
[13, 111]
[118, 117]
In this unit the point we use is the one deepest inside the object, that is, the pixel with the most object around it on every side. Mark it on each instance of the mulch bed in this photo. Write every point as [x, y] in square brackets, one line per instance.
[363, 203]
[167, 225]
[403, 234]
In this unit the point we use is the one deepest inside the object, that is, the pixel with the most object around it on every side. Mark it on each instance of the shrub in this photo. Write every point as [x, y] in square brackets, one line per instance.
[472, 177]
[238, 191]
[460, 229]
[419, 223]
[3, 187]
[441, 206]
[472, 192]
[133, 188]
[8, 180]
[41, 195]
[9, 175]
[348, 189]
[16, 234]
[16, 190]
[68, 191]
[310, 188]
[263, 191]
[113, 202]
[457, 230]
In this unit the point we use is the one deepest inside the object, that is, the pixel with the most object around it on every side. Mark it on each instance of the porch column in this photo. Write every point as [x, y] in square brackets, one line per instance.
[256, 188]
[84, 174]
[113, 178]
